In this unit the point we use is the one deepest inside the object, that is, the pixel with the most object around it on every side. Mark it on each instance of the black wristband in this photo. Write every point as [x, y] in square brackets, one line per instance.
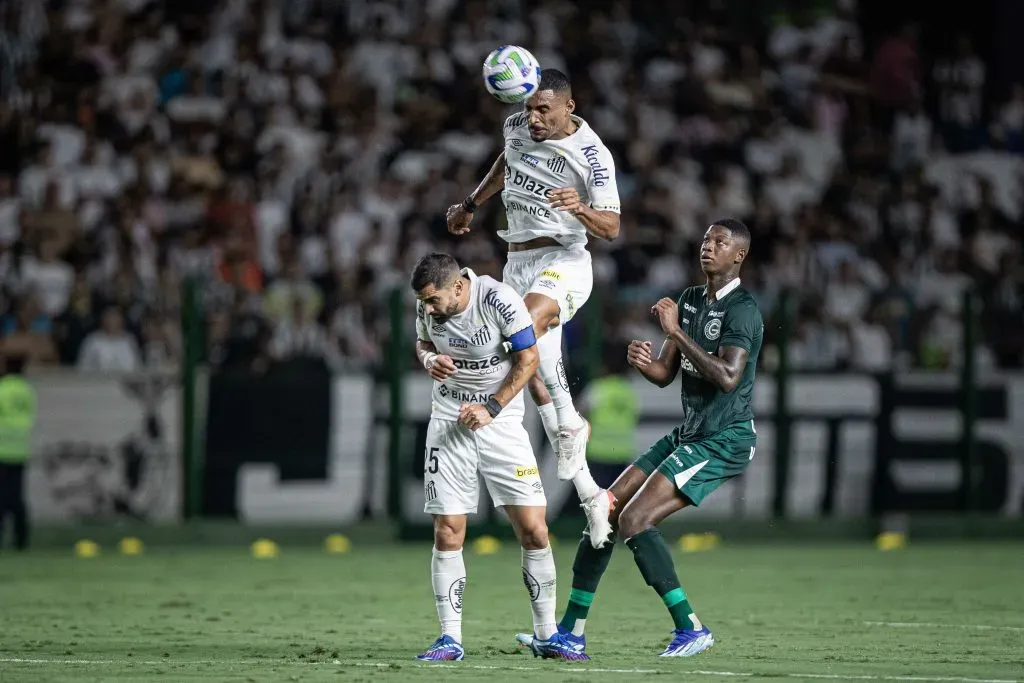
[468, 205]
[493, 407]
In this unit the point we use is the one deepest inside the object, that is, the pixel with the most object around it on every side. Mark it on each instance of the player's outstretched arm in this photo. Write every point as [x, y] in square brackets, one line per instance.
[723, 370]
[460, 215]
[660, 371]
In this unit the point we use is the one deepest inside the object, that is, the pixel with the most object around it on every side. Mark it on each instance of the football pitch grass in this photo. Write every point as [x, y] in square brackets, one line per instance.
[942, 612]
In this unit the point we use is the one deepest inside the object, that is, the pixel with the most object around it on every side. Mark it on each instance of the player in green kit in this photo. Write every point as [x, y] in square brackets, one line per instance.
[714, 335]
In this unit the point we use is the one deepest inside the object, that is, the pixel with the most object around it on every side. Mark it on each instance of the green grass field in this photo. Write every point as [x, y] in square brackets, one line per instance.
[838, 612]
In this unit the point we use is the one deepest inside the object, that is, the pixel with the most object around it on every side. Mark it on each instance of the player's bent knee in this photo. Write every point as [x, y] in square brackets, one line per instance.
[448, 535]
[534, 536]
[633, 520]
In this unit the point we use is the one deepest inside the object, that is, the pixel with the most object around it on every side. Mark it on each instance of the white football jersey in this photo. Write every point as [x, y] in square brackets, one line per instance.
[475, 340]
[533, 169]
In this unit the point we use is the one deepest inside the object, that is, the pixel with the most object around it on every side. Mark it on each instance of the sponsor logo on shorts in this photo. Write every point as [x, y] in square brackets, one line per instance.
[539, 487]
[529, 159]
[556, 164]
[532, 585]
[553, 274]
[546, 284]
[503, 308]
[455, 592]
[481, 337]
[456, 343]
[527, 472]
[562, 379]
[675, 458]
[713, 329]
[570, 304]
[688, 450]
[430, 491]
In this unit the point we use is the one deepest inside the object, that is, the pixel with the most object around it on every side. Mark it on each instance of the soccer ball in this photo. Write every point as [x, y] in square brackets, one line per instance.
[511, 74]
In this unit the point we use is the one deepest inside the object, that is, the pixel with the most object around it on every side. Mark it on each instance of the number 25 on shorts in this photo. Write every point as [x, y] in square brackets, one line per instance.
[432, 463]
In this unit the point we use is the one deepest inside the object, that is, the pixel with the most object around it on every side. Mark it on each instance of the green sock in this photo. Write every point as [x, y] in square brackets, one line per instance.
[587, 569]
[655, 562]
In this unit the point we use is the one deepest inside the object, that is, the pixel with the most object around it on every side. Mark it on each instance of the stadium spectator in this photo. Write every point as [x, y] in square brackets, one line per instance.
[282, 152]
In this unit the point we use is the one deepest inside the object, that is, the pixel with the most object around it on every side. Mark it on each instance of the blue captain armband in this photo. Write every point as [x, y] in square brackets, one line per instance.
[523, 339]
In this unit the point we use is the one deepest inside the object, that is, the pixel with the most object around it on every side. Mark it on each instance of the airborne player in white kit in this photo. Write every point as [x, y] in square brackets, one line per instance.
[559, 187]
[475, 338]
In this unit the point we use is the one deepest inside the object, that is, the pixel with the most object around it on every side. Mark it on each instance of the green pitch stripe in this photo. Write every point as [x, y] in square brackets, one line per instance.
[673, 597]
[581, 597]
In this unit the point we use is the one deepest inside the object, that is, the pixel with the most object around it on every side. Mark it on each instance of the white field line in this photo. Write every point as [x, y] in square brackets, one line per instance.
[932, 624]
[494, 667]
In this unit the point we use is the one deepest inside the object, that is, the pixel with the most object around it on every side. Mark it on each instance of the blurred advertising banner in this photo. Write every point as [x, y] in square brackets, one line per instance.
[105, 447]
[859, 445]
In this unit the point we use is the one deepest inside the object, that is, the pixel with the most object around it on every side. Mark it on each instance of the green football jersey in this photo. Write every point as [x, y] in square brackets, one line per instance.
[733, 320]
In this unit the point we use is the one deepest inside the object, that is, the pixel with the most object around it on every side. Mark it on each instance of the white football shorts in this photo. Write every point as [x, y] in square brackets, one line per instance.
[457, 457]
[565, 275]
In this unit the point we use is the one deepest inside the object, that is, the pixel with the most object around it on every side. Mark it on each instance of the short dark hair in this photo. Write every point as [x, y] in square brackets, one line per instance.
[556, 81]
[436, 269]
[737, 228]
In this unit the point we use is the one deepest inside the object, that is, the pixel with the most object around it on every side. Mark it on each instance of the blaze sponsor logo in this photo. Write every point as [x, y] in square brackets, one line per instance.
[527, 472]
[526, 183]
[601, 173]
[503, 308]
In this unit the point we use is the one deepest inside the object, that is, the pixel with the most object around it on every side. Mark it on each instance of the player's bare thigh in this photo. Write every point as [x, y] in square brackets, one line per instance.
[449, 532]
[544, 310]
[530, 524]
[624, 489]
[657, 498]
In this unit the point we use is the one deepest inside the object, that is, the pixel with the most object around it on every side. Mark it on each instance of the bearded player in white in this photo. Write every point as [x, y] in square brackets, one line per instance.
[559, 187]
[475, 338]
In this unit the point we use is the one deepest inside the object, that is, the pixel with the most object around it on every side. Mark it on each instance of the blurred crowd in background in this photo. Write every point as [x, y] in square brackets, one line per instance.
[296, 157]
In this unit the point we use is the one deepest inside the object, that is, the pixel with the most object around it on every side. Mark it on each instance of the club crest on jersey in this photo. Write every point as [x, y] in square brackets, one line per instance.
[713, 329]
[556, 164]
[481, 337]
[530, 159]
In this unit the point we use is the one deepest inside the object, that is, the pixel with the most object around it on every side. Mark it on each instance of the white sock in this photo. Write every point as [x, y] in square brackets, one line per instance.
[586, 487]
[552, 372]
[549, 418]
[448, 576]
[540, 580]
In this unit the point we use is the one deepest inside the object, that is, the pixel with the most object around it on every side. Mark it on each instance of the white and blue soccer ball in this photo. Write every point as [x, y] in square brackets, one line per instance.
[511, 74]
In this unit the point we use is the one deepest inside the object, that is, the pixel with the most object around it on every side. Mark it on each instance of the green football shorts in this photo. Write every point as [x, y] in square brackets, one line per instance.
[700, 467]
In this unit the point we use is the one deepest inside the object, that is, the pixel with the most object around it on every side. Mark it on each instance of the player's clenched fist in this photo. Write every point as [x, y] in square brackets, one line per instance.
[440, 367]
[639, 354]
[566, 199]
[458, 219]
[474, 416]
[668, 315]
